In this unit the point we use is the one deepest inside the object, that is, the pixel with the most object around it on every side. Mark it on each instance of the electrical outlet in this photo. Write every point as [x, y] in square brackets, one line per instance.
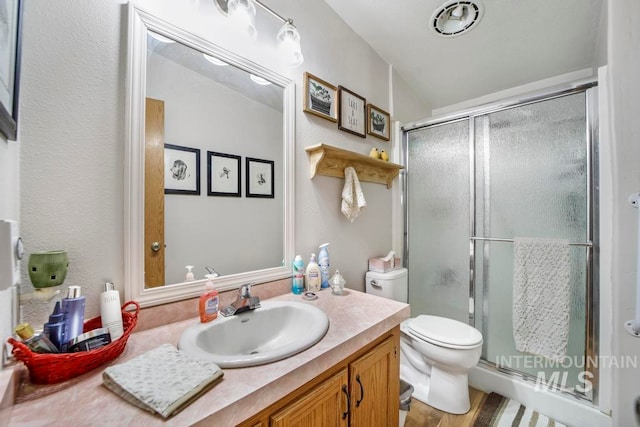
[11, 251]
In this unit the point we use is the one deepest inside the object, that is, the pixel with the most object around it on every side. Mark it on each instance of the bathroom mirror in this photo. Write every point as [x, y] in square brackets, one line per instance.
[209, 165]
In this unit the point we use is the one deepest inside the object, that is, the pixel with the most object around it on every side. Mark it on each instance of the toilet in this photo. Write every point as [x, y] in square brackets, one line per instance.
[436, 353]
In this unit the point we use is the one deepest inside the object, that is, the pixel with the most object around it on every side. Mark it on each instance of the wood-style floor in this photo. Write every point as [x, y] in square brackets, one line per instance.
[423, 415]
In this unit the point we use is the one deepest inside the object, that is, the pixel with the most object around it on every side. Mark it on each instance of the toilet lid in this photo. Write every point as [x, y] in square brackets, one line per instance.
[445, 331]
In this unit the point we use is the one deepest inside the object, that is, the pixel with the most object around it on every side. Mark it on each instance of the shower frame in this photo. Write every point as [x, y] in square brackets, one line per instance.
[592, 311]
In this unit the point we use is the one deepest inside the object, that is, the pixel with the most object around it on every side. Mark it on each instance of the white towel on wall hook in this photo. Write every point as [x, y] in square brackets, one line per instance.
[353, 201]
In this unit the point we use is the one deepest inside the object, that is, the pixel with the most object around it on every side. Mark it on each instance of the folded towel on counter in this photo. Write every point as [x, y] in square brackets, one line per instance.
[353, 201]
[163, 380]
[541, 296]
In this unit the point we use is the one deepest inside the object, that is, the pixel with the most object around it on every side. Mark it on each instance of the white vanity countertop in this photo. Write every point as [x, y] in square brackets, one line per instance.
[355, 320]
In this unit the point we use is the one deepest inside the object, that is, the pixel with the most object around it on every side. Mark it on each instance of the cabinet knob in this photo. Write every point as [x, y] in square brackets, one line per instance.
[155, 246]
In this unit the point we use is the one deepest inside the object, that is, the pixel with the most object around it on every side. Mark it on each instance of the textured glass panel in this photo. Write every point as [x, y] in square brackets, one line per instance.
[531, 182]
[438, 194]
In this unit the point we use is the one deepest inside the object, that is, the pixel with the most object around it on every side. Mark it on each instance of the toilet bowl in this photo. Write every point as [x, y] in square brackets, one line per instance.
[436, 353]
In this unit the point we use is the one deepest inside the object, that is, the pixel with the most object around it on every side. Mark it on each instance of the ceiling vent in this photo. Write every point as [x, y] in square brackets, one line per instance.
[456, 17]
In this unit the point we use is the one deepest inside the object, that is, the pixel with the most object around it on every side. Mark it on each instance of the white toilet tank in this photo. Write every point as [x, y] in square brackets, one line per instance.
[393, 284]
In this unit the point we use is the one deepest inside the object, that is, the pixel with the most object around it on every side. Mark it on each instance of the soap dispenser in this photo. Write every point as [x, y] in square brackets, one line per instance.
[209, 301]
[190, 276]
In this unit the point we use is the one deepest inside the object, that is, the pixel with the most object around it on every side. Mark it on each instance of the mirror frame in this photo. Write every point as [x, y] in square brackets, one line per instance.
[140, 22]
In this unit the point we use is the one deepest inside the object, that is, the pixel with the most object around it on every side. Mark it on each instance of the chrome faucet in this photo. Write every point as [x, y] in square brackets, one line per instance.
[244, 302]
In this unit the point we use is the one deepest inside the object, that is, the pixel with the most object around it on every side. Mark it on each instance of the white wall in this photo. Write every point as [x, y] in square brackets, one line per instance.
[624, 103]
[72, 114]
[72, 140]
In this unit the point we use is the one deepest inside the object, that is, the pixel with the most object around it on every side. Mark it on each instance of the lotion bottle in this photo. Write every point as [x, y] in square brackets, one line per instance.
[209, 301]
[312, 274]
[110, 312]
[73, 309]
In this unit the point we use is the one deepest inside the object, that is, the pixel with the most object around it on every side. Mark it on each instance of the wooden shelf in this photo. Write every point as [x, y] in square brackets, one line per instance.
[331, 161]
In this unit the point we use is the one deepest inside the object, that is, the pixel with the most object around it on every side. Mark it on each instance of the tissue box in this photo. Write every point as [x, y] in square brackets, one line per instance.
[382, 266]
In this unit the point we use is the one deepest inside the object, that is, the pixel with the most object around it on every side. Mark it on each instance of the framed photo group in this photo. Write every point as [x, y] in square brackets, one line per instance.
[224, 173]
[350, 110]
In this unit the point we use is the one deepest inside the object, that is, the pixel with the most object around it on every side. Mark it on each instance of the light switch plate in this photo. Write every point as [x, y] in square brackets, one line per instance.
[10, 253]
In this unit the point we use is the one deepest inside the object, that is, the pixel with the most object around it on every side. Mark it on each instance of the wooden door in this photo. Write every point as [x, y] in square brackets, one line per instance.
[374, 381]
[154, 194]
[323, 406]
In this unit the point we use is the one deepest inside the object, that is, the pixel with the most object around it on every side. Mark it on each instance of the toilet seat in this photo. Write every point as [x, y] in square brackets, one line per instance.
[444, 332]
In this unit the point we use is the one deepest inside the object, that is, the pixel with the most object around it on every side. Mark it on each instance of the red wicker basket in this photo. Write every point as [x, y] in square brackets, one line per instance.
[53, 368]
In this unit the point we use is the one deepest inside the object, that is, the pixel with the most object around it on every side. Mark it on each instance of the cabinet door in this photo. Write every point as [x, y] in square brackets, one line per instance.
[374, 381]
[323, 406]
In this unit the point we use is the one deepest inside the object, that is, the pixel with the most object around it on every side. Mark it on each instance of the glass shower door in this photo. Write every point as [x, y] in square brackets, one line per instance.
[473, 185]
[531, 181]
[438, 217]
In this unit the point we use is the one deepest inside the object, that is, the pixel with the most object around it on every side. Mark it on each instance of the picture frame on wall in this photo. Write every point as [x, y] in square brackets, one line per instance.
[378, 122]
[260, 178]
[223, 174]
[10, 53]
[320, 98]
[352, 112]
[181, 170]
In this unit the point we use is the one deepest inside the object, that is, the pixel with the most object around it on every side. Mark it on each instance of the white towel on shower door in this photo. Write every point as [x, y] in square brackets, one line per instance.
[541, 296]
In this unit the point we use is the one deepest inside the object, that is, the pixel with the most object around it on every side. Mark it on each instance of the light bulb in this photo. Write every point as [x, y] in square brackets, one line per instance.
[259, 80]
[160, 38]
[215, 61]
[243, 15]
[289, 45]
[457, 13]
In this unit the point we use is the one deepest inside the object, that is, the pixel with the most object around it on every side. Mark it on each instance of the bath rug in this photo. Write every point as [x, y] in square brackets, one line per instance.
[499, 411]
[541, 296]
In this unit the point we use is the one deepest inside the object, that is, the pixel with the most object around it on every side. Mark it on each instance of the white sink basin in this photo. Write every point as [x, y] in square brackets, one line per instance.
[275, 331]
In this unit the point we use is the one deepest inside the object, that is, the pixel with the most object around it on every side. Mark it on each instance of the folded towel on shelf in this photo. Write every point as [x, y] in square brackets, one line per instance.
[163, 380]
[353, 201]
[541, 296]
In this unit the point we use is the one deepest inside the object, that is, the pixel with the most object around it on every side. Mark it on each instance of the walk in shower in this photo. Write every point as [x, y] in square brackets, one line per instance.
[478, 179]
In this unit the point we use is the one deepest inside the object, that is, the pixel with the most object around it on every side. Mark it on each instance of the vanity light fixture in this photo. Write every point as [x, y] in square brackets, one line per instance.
[214, 60]
[259, 80]
[289, 44]
[161, 39]
[243, 13]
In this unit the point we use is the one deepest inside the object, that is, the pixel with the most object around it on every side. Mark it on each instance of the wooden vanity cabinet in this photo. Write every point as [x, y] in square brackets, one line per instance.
[367, 383]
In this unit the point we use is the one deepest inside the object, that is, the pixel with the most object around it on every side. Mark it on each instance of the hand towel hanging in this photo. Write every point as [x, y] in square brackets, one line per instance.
[353, 202]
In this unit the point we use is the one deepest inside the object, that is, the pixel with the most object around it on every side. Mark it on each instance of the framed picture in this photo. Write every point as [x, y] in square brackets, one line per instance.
[351, 117]
[259, 178]
[181, 170]
[223, 174]
[378, 122]
[320, 98]
[10, 47]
